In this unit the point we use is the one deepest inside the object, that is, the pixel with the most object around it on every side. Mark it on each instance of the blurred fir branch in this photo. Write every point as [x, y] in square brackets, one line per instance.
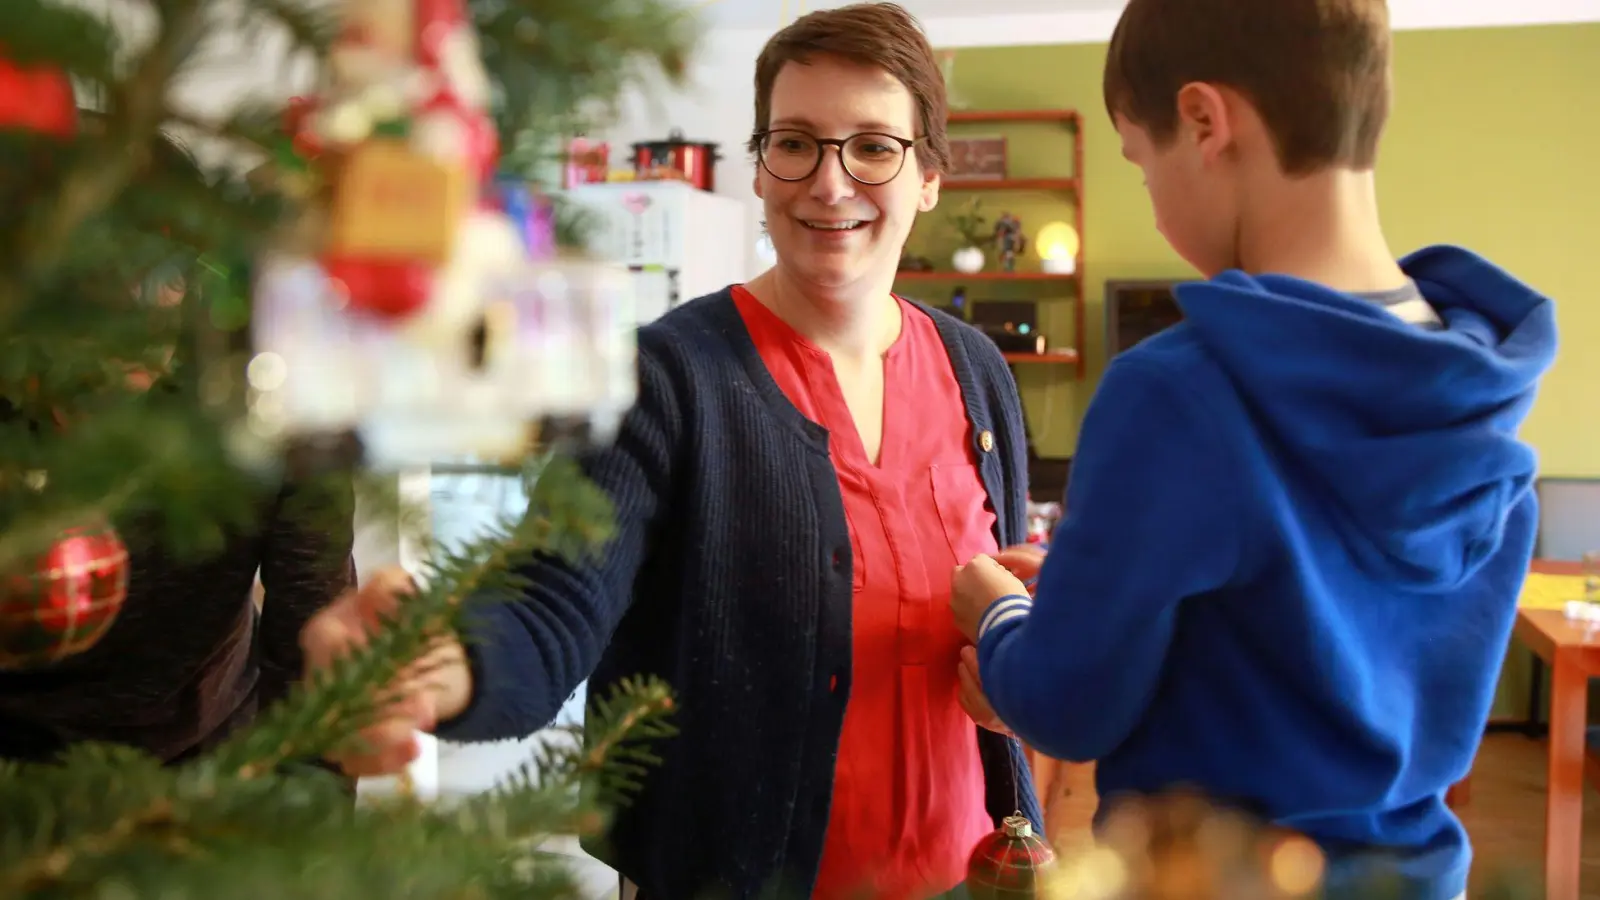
[560, 66]
[111, 823]
[124, 273]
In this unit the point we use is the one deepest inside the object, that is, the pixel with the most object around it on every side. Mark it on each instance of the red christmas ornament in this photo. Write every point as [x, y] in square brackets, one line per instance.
[37, 98]
[67, 603]
[1007, 864]
[389, 289]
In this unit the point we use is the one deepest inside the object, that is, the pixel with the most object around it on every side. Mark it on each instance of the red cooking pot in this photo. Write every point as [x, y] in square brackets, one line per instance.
[677, 159]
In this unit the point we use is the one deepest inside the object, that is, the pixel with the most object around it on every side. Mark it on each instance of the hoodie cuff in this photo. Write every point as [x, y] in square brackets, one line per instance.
[1009, 608]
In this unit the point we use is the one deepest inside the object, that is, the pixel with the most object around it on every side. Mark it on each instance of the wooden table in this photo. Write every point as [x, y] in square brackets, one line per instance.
[1573, 654]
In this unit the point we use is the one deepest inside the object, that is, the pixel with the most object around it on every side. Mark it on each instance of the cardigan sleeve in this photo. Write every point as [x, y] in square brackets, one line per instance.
[528, 653]
[1005, 408]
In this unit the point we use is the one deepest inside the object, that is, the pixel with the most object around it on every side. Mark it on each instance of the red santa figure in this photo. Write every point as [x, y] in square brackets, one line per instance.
[417, 61]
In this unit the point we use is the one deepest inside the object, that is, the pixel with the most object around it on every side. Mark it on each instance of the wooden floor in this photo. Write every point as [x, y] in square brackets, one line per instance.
[1505, 814]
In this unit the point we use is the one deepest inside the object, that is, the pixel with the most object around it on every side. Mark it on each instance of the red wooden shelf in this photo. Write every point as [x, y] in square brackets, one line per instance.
[1071, 186]
[1012, 115]
[1055, 357]
[982, 276]
[1011, 184]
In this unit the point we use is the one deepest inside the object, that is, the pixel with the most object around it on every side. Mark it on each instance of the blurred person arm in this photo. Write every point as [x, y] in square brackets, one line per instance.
[306, 563]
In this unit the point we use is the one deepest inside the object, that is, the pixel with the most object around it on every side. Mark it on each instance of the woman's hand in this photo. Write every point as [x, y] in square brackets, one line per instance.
[432, 689]
[1023, 561]
[974, 587]
[972, 699]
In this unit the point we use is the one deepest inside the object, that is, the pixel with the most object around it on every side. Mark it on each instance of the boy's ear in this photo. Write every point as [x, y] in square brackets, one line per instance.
[1205, 119]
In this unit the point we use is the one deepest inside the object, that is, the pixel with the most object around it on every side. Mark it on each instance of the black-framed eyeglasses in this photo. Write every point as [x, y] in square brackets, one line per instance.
[870, 158]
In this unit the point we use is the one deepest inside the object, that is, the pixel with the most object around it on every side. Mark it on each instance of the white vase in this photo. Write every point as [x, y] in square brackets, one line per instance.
[968, 260]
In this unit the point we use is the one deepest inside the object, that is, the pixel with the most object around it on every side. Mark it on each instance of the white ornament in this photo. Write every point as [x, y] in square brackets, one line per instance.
[487, 246]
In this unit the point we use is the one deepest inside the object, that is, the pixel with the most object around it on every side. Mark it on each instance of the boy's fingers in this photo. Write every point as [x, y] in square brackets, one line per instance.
[970, 657]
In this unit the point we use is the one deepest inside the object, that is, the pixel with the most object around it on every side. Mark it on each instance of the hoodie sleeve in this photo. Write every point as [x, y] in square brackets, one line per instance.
[1150, 520]
[529, 653]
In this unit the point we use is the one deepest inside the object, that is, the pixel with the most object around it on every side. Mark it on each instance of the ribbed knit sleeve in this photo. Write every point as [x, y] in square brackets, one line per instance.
[529, 654]
[1011, 434]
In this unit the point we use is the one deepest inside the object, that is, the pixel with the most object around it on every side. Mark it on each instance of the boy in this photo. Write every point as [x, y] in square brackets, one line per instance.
[1298, 521]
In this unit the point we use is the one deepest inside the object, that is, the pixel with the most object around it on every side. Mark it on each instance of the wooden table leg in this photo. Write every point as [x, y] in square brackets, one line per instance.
[1563, 822]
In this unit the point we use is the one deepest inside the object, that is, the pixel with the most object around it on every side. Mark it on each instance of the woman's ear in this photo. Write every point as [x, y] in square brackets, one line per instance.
[930, 192]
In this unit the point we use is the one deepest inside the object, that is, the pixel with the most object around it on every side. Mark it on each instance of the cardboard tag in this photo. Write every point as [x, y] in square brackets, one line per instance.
[393, 202]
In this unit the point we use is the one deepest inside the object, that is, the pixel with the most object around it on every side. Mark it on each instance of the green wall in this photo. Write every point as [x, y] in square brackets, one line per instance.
[1494, 143]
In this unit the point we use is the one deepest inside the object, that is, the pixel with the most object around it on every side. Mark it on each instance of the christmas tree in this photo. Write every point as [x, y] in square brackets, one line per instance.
[129, 243]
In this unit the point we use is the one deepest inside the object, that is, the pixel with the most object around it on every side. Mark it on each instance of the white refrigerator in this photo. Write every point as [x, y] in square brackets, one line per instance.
[680, 241]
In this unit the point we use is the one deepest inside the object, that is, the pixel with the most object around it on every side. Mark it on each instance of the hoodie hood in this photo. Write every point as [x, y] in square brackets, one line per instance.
[1411, 433]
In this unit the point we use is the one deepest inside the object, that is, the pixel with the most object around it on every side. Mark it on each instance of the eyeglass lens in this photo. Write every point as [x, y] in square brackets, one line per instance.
[868, 158]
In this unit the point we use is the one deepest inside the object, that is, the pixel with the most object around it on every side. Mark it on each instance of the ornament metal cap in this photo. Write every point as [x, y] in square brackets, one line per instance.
[1018, 826]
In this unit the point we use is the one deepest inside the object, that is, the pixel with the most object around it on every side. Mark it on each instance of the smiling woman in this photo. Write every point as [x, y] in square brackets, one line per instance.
[809, 459]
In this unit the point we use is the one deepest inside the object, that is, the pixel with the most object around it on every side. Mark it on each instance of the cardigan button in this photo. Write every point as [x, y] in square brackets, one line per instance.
[838, 560]
[986, 441]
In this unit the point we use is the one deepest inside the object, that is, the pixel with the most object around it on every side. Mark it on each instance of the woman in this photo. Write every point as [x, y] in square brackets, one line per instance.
[809, 459]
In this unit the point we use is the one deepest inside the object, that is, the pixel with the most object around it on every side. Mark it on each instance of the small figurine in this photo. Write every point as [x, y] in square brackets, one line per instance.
[1009, 239]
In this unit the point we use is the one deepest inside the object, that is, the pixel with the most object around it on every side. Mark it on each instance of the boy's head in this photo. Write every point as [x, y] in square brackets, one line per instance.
[1219, 100]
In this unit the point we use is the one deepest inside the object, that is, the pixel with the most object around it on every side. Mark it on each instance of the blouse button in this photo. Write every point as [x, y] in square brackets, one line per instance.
[986, 441]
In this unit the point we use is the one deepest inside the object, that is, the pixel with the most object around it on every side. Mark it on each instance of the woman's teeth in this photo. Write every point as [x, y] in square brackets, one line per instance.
[835, 226]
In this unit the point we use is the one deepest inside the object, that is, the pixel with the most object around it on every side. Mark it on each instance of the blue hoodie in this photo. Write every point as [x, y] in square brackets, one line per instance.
[1294, 538]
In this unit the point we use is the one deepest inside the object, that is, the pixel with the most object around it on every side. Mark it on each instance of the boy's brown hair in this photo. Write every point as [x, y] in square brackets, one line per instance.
[882, 35]
[1316, 70]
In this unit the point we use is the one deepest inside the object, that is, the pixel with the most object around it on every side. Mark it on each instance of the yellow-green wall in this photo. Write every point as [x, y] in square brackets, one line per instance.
[1494, 143]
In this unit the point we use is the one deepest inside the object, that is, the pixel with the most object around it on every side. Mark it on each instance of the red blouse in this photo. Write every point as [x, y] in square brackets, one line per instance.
[908, 784]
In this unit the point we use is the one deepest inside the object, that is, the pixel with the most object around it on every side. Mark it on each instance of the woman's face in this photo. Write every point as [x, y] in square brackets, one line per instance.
[830, 231]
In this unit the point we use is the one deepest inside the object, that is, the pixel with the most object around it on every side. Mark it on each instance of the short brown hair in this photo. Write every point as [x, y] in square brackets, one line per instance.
[1316, 70]
[883, 35]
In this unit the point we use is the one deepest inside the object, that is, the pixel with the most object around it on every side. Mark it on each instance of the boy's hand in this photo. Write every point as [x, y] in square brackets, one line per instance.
[434, 688]
[974, 587]
[972, 698]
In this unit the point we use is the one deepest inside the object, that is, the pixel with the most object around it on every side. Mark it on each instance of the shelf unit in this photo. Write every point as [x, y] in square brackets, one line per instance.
[1071, 186]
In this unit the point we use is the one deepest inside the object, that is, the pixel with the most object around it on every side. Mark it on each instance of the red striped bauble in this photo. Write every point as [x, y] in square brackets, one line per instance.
[67, 603]
[1010, 863]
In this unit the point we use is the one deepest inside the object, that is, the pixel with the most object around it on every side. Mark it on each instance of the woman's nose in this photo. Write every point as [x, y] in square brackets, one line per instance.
[832, 183]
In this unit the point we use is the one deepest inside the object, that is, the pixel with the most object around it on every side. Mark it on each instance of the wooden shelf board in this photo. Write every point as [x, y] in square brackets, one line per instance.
[982, 276]
[967, 116]
[1052, 357]
[1011, 184]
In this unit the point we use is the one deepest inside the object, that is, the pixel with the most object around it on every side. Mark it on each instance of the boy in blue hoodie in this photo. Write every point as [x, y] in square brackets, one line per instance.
[1298, 522]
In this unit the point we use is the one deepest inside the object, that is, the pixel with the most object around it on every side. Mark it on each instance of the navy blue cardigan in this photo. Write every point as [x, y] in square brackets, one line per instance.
[729, 578]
